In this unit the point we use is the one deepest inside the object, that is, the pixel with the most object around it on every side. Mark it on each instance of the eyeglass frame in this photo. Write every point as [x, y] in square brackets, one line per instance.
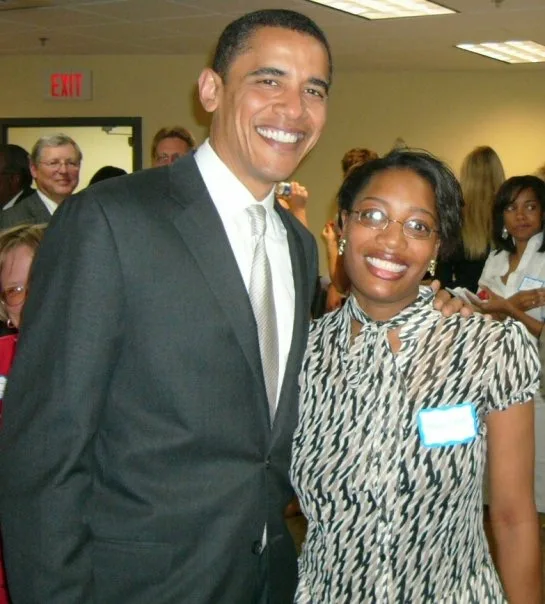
[56, 164]
[388, 222]
[19, 289]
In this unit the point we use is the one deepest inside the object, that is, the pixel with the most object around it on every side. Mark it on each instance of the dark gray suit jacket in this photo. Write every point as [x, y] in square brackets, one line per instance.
[138, 461]
[30, 210]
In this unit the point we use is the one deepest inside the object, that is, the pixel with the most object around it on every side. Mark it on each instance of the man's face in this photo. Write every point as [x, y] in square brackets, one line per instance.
[169, 150]
[271, 109]
[57, 172]
[9, 183]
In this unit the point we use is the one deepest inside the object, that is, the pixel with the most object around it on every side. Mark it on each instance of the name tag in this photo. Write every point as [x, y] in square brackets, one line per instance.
[453, 425]
[530, 283]
[3, 382]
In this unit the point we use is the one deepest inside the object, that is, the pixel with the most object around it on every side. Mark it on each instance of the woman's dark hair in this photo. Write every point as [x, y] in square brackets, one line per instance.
[447, 190]
[235, 37]
[506, 195]
[106, 172]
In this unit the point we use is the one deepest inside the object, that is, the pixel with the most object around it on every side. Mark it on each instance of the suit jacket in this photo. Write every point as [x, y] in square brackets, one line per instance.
[30, 210]
[139, 464]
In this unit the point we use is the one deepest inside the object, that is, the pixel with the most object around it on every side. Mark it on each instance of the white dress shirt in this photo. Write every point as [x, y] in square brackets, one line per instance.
[231, 198]
[49, 203]
[532, 265]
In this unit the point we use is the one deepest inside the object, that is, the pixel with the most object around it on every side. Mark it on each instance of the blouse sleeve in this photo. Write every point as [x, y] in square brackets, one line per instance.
[517, 368]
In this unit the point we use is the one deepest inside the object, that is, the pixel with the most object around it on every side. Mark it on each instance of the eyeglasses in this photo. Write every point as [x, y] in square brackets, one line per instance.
[56, 164]
[374, 218]
[13, 296]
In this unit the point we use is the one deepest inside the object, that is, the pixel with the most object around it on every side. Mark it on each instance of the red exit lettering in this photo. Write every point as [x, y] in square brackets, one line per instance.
[66, 85]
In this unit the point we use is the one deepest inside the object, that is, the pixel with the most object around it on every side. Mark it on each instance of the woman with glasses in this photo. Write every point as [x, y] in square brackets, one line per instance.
[399, 409]
[17, 248]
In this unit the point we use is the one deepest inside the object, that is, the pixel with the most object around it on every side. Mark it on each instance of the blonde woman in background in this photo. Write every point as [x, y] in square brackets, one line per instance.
[17, 248]
[481, 176]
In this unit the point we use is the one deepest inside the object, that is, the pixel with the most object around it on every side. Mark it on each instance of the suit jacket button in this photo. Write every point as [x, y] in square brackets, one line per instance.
[257, 548]
[268, 463]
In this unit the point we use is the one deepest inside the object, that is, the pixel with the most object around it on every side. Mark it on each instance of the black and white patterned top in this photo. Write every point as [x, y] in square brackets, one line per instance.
[391, 520]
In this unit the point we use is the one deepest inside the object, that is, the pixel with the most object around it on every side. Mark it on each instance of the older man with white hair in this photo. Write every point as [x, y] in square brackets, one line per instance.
[55, 162]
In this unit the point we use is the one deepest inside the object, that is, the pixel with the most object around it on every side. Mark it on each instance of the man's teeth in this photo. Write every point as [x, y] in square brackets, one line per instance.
[386, 265]
[278, 135]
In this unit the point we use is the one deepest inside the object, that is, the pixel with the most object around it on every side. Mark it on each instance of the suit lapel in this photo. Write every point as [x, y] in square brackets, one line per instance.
[301, 317]
[37, 209]
[201, 228]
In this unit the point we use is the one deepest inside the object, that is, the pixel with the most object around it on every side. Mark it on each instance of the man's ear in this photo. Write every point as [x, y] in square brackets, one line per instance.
[33, 170]
[210, 87]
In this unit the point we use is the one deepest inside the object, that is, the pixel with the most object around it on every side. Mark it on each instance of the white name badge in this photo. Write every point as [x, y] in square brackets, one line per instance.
[530, 283]
[453, 425]
[3, 382]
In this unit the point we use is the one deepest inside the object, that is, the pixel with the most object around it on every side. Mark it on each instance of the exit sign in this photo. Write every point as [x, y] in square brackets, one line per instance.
[69, 85]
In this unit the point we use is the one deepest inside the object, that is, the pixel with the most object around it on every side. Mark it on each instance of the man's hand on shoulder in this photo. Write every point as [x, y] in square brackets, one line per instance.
[447, 304]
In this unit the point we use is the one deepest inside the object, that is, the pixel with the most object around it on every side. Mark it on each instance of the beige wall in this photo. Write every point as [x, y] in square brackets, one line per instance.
[447, 113]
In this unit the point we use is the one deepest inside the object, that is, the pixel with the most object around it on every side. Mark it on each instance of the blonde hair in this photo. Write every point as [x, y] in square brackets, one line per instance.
[481, 176]
[30, 235]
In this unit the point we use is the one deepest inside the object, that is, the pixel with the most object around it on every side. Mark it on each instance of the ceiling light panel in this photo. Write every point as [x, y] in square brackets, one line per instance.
[513, 51]
[386, 9]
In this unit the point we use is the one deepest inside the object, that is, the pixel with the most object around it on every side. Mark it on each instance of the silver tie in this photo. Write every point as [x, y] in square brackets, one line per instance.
[262, 300]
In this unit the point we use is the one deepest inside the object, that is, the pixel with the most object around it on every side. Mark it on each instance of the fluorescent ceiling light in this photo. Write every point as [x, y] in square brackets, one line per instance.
[387, 9]
[513, 51]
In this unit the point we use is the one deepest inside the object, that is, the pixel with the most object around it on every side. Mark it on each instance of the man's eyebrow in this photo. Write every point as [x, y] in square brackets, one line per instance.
[319, 82]
[274, 71]
[268, 71]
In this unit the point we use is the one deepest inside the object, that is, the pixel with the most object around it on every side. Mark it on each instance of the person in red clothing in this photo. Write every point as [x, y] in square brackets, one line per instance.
[17, 248]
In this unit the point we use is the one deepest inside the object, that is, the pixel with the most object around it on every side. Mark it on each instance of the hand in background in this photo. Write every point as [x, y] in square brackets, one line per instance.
[528, 299]
[329, 234]
[296, 202]
[493, 304]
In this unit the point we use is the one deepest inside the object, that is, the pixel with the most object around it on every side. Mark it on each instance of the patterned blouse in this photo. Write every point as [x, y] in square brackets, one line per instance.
[392, 520]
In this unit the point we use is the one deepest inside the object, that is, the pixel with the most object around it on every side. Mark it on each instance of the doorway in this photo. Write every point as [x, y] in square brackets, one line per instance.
[113, 141]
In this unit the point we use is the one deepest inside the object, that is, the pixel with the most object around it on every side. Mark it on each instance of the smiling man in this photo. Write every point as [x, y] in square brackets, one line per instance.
[55, 162]
[147, 459]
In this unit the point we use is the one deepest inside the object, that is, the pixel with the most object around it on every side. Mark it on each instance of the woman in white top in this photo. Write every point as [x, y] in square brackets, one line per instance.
[514, 278]
[514, 273]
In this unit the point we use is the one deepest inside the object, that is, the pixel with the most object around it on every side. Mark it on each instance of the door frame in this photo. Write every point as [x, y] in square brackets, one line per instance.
[59, 122]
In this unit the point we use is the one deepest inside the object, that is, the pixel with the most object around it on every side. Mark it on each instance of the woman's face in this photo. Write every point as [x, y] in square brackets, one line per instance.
[14, 275]
[523, 217]
[386, 266]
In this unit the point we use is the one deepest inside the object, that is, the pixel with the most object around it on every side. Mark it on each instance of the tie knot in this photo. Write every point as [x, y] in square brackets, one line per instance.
[258, 215]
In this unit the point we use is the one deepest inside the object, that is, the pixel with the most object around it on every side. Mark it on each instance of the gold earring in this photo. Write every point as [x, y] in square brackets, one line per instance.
[432, 266]
[342, 246]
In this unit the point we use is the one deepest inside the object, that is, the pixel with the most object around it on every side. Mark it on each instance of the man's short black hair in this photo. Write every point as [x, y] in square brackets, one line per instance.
[234, 39]
[16, 161]
[445, 186]
[505, 196]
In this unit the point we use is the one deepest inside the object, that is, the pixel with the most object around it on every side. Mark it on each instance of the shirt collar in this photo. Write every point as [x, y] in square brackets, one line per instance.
[49, 203]
[230, 196]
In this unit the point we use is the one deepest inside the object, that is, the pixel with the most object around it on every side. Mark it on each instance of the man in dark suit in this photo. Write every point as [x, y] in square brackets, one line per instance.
[145, 453]
[15, 177]
[54, 164]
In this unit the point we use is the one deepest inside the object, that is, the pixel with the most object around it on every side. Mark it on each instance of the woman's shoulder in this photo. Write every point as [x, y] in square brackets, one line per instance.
[485, 333]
